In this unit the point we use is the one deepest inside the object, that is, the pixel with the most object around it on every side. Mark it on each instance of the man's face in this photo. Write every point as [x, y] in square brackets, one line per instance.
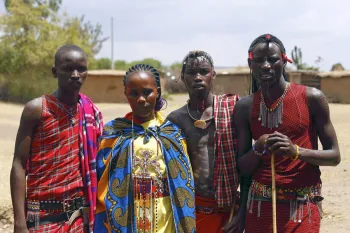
[198, 76]
[71, 70]
[267, 64]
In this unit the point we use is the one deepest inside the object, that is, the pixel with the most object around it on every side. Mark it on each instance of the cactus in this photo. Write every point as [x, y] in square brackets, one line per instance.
[297, 57]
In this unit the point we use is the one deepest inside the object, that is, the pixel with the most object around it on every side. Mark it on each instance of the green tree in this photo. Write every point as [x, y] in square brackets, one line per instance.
[53, 4]
[31, 34]
[176, 66]
[337, 67]
[103, 63]
[149, 61]
[121, 65]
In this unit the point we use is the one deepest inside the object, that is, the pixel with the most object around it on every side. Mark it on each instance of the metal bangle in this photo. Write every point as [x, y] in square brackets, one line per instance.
[296, 156]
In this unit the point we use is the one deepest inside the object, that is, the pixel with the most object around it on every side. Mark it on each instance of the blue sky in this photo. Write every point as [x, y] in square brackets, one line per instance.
[168, 29]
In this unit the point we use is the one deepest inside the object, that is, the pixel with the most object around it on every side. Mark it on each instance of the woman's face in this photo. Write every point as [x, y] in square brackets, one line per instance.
[142, 93]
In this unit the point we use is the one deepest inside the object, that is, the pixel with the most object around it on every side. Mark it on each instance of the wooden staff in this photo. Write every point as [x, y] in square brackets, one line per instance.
[273, 173]
[231, 213]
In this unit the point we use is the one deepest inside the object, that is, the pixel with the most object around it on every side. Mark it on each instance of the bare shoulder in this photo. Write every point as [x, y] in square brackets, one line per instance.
[243, 106]
[317, 101]
[314, 94]
[32, 110]
[177, 115]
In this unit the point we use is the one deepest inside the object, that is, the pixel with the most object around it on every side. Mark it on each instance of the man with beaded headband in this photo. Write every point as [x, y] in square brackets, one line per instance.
[208, 125]
[145, 181]
[286, 120]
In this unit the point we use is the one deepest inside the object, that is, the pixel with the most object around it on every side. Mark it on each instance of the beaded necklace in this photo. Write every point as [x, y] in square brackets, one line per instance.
[272, 117]
[144, 182]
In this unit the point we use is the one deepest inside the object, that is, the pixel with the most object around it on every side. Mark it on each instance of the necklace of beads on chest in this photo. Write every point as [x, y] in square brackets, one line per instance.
[146, 187]
[272, 117]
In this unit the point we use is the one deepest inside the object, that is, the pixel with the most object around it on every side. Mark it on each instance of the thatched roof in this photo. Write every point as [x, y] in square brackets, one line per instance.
[107, 72]
[234, 70]
[334, 74]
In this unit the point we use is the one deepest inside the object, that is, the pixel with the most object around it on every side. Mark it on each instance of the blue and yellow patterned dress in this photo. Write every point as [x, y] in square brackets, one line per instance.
[145, 181]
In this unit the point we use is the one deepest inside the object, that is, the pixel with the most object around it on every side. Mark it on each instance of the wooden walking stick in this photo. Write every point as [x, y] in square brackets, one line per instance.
[273, 173]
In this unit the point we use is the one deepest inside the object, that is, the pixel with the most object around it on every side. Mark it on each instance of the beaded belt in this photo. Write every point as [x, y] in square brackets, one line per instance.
[60, 211]
[51, 206]
[309, 192]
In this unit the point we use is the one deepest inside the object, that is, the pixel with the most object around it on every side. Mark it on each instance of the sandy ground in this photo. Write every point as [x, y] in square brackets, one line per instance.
[336, 184]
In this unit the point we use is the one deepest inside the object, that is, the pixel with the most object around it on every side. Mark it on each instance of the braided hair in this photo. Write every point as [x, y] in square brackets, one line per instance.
[160, 102]
[195, 54]
[267, 38]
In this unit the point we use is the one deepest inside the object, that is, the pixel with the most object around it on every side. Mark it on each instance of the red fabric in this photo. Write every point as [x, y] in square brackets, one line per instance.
[210, 222]
[226, 180]
[298, 127]
[263, 223]
[54, 171]
[91, 126]
[76, 227]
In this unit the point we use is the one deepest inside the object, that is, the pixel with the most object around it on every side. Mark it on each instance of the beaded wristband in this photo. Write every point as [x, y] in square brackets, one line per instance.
[257, 152]
[296, 156]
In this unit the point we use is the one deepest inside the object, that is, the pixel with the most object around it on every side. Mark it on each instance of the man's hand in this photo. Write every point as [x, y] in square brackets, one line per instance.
[280, 145]
[260, 144]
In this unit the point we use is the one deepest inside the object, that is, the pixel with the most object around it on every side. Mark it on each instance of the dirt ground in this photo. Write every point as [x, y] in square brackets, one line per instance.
[336, 180]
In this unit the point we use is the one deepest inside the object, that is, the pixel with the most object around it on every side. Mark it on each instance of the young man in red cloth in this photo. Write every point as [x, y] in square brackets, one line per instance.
[286, 120]
[53, 175]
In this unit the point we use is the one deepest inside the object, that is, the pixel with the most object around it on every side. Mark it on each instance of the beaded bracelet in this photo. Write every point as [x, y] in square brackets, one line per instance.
[296, 156]
[257, 152]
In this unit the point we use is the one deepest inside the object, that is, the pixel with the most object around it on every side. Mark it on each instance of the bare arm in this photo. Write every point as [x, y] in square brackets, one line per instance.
[29, 120]
[319, 110]
[248, 161]
[330, 156]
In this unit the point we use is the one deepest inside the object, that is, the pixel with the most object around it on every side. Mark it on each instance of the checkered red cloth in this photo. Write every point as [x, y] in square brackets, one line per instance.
[54, 166]
[62, 164]
[226, 179]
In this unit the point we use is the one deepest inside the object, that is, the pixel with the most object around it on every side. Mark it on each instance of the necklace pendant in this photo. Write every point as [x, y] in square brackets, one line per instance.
[200, 124]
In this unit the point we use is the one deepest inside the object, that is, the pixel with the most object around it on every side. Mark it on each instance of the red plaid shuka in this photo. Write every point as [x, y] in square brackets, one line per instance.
[56, 169]
[226, 179]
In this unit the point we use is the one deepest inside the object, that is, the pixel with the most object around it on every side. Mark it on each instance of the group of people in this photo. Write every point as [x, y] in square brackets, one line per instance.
[204, 168]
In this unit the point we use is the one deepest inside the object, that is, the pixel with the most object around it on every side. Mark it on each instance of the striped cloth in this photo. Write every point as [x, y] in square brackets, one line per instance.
[58, 150]
[91, 125]
[226, 179]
